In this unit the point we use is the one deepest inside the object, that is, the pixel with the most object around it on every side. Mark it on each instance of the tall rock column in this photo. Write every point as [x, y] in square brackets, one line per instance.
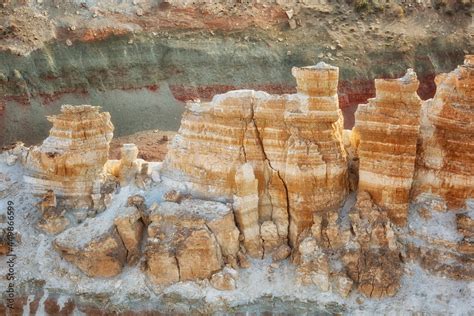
[316, 171]
[445, 165]
[386, 130]
[292, 142]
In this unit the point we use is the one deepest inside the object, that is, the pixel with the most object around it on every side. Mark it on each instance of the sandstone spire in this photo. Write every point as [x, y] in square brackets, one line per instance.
[386, 130]
[71, 159]
[293, 142]
[445, 164]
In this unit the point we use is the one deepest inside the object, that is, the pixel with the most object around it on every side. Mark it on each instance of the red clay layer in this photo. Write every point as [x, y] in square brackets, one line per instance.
[351, 93]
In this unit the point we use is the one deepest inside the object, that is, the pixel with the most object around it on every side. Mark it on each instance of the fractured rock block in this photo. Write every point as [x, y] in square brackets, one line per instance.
[342, 284]
[94, 246]
[224, 280]
[293, 143]
[199, 256]
[189, 240]
[52, 219]
[227, 234]
[313, 264]
[281, 253]
[161, 265]
[376, 272]
[269, 233]
[373, 262]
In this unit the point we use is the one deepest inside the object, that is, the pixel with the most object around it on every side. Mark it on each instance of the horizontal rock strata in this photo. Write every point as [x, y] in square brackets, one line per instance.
[251, 174]
[71, 160]
[293, 142]
[386, 131]
[189, 241]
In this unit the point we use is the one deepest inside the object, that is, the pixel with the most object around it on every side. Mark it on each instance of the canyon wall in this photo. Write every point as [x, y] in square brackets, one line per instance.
[446, 143]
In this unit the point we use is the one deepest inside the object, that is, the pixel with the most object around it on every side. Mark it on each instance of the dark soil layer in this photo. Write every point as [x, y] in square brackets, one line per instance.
[142, 77]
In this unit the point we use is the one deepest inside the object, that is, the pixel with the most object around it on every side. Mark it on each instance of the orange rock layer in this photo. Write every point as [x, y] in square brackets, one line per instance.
[293, 142]
[445, 162]
[386, 132]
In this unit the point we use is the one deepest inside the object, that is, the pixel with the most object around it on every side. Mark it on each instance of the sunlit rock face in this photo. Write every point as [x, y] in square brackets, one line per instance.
[293, 142]
[441, 223]
[445, 164]
[386, 132]
[190, 241]
[71, 160]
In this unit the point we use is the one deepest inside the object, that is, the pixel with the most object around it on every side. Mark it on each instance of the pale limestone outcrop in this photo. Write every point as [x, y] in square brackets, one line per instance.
[190, 240]
[445, 161]
[293, 142]
[70, 161]
[386, 131]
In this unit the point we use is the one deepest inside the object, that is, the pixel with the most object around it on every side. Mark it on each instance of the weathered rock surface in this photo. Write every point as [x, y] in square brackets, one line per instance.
[445, 161]
[94, 246]
[52, 218]
[224, 280]
[373, 261]
[386, 131]
[313, 264]
[246, 209]
[441, 241]
[187, 241]
[293, 142]
[130, 228]
[71, 160]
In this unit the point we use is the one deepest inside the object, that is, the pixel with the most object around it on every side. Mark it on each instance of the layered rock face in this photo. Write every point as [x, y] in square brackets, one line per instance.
[442, 224]
[293, 143]
[445, 162]
[359, 248]
[260, 175]
[71, 160]
[386, 132]
[190, 241]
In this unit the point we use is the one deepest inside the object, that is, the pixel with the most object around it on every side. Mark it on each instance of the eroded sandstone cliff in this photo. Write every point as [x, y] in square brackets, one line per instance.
[445, 164]
[385, 133]
[71, 160]
[253, 176]
[292, 142]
